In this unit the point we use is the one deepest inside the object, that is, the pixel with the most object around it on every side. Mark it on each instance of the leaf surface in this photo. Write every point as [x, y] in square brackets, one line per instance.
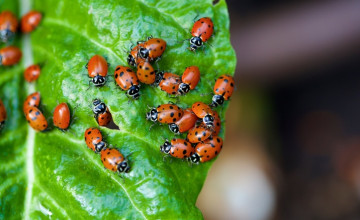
[54, 173]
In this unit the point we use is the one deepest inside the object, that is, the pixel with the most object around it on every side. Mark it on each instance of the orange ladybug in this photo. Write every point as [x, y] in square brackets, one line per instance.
[189, 79]
[145, 72]
[133, 58]
[61, 116]
[217, 124]
[36, 118]
[8, 26]
[178, 148]
[32, 73]
[152, 49]
[101, 113]
[128, 81]
[204, 112]
[198, 134]
[97, 69]
[3, 114]
[114, 160]
[10, 55]
[202, 30]
[94, 140]
[170, 83]
[223, 89]
[185, 123]
[30, 21]
[207, 150]
[165, 113]
[31, 100]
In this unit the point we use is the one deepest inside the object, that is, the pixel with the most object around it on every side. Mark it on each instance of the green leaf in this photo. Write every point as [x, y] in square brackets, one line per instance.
[54, 173]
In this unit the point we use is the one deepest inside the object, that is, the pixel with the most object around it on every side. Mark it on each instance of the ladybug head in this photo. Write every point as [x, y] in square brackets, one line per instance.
[158, 77]
[100, 146]
[99, 80]
[217, 100]
[143, 53]
[183, 88]
[123, 167]
[131, 60]
[195, 158]
[152, 115]
[99, 107]
[195, 42]
[174, 128]
[6, 35]
[208, 121]
[165, 148]
[134, 92]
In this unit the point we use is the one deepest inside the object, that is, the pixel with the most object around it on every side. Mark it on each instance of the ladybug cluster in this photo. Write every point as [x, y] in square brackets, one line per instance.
[11, 55]
[110, 157]
[201, 123]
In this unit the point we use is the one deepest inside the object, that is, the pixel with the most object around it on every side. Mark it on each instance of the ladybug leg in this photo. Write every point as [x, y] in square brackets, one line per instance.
[151, 126]
[197, 15]
[89, 85]
[86, 66]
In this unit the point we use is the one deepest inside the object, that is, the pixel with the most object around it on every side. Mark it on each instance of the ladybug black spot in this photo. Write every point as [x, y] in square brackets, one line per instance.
[218, 140]
[216, 152]
[171, 107]
[184, 152]
[117, 68]
[204, 133]
[205, 151]
[232, 84]
[172, 114]
[199, 139]
[146, 68]
[179, 114]
[129, 70]
[89, 132]
[174, 119]
[196, 133]
[121, 74]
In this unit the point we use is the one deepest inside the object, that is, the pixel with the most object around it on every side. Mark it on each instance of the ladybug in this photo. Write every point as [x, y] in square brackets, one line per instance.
[31, 100]
[133, 58]
[8, 26]
[170, 83]
[158, 77]
[36, 119]
[94, 140]
[204, 112]
[178, 148]
[189, 79]
[198, 134]
[207, 150]
[165, 113]
[97, 69]
[101, 113]
[128, 81]
[217, 124]
[152, 49]
[3, 114]
[223, 89]
[114, 160]
[32, 73]
[10, 55]
[61, 116]
[145, 72]
[202, 30]
[185, 123]
[30, 21]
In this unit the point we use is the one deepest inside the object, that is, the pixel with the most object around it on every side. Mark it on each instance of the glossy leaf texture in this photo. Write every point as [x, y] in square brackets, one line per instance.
[53, 173]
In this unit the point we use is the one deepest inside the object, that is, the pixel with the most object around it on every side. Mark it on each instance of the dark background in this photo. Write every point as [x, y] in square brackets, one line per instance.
[292, 147]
